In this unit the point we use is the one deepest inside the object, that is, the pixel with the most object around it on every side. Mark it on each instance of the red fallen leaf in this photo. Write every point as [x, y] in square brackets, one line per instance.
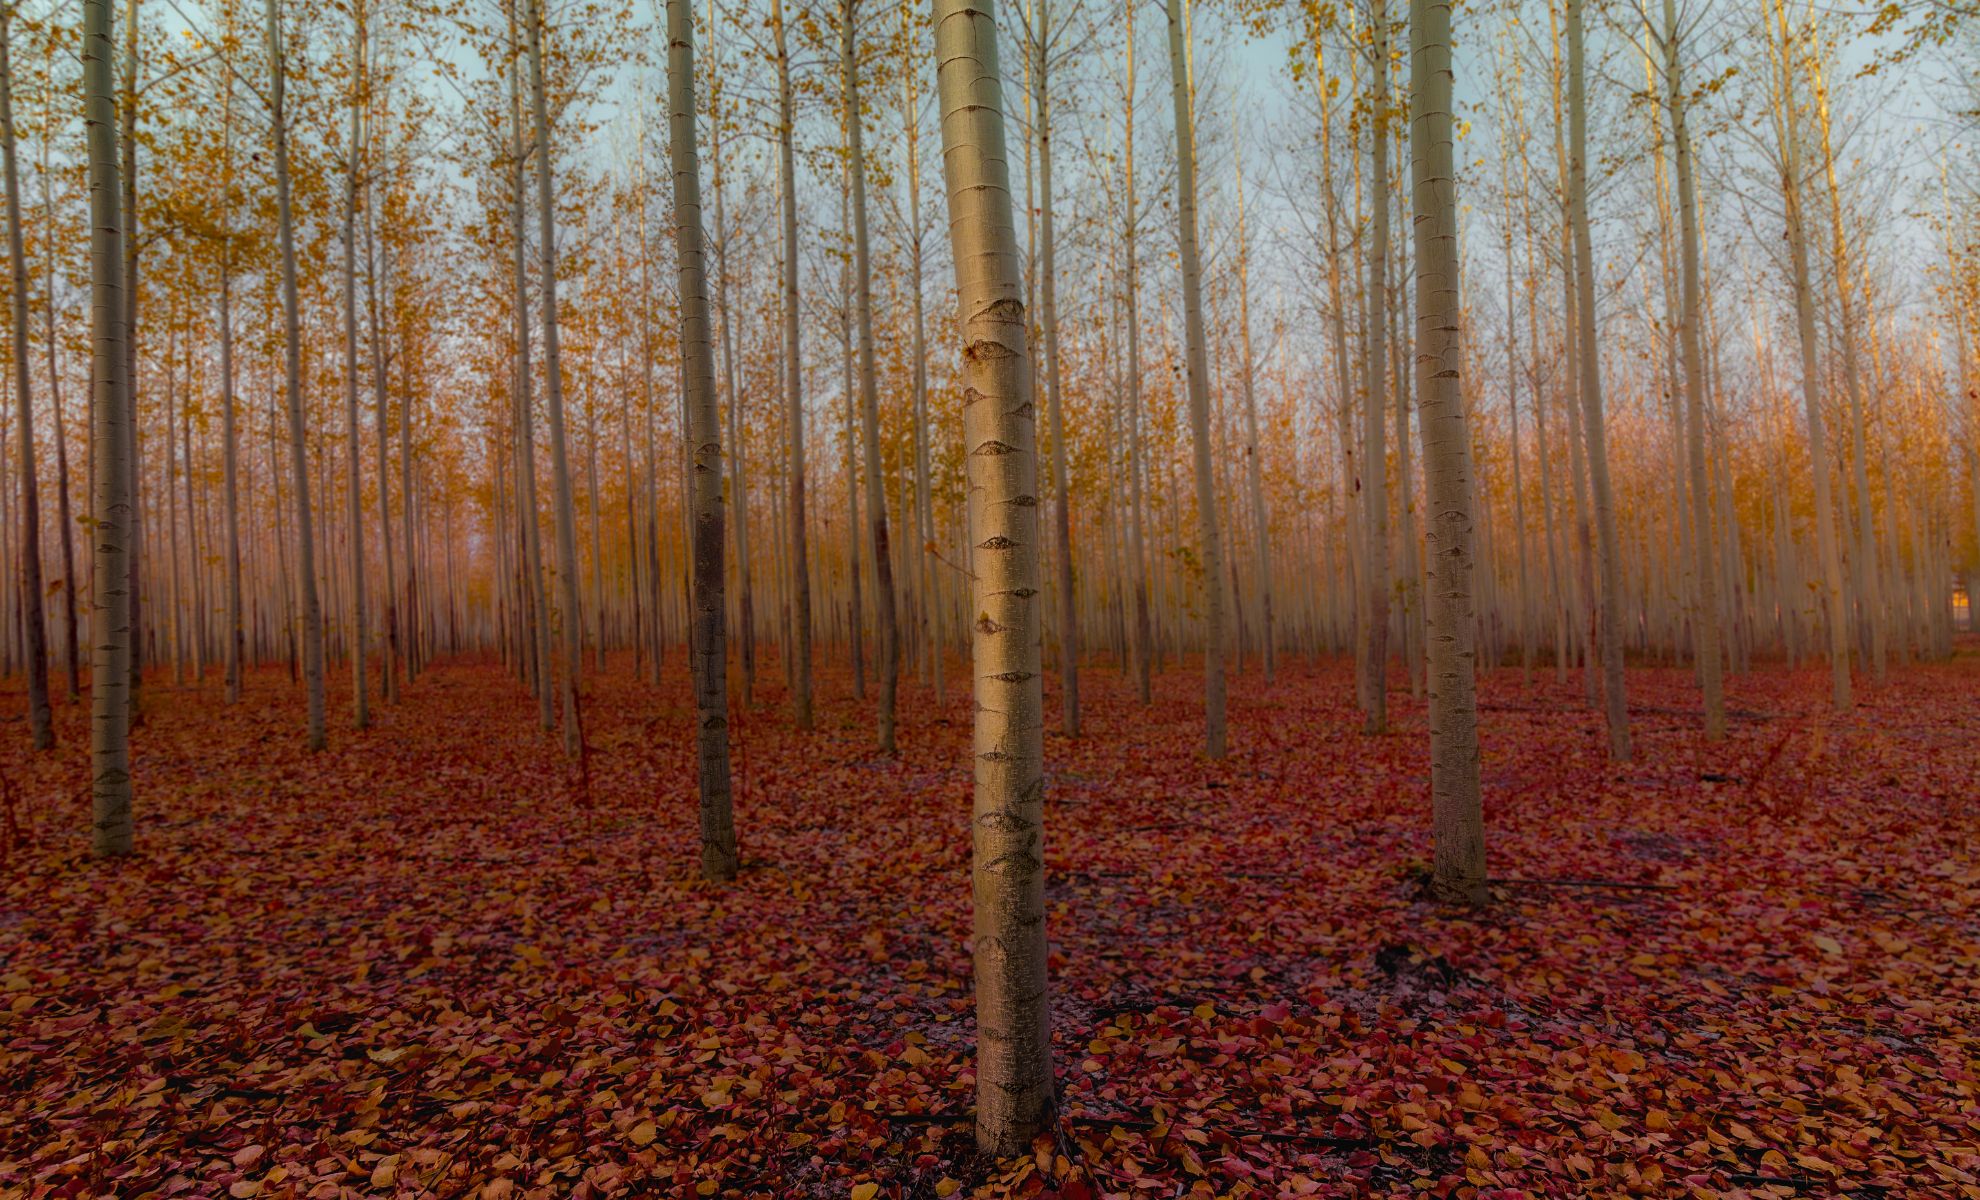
[571, 990]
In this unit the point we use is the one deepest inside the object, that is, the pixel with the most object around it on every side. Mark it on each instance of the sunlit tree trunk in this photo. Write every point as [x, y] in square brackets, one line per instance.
[1014, 1092]
[885, 617]
[1199, 389]
[312, 612]
[800, 567]
[1609, 564]
[572, 616]
[707, 632]
[33, 620]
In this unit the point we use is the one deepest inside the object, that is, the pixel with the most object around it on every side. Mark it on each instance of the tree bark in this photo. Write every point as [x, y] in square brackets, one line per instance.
[543, 670]
[110, 500]
[1789, 134]
[33, 619]
[869, 388]
[1450, 625]
[1048, 316]
[1014, 1093]
[800, 565]
[1705, 615]
[1374, 345]
[1608, 565]
[353, 445]
[1199, 389]
[708, 634]
[572, 616]
[312, 612]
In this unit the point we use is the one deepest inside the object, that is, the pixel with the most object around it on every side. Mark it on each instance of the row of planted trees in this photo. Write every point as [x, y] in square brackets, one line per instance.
[384, 364]
[1293, 451]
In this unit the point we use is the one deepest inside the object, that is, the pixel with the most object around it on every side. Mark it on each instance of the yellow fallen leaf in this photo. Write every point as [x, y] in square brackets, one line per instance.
[643, 1133]
[865, 1191]
[386, 1173]
[1828, 945]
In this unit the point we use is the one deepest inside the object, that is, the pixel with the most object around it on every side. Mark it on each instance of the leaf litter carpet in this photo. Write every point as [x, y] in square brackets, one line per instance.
[432, 961]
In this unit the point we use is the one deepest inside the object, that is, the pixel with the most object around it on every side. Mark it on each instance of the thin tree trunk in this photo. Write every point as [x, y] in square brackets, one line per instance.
[111, 509]
[1014, 1092]
[1609, 563]
[1789, 134]
[376, 263]
[353, 446]
[1199, 390]
[1254, 452]
[930, 582]
[1143, 629]
[312, 613]
[1054, 405]
[127, 179]
[738, 486]
[1705, 615]
[572, 617]
[72, 655]
[718, 833]
[793, 382]
[1449, 623]
[869, 397]
[1374, 345]
[544, 671]
[40, 719]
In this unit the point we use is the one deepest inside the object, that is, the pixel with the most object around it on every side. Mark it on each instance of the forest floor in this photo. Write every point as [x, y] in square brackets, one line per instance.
[425, 963]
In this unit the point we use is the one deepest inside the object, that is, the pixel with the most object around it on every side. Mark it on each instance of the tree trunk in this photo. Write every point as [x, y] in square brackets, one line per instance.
[40, 719]
[111, 509]
[1054, 405]
[543, 670]
[353, 446]
[1609, 565]
[718, 832]
[1142, 627]
[1374, 345]
[1449, 622]
[1253, 451]
[930, 582]
[572, 616]
[127, 179]
[869, 393]
[1014, 1093]
[1199, 389]
[793, 382]
[1789, 133]
[1705, 615]
[312, 613]
[738, 486]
